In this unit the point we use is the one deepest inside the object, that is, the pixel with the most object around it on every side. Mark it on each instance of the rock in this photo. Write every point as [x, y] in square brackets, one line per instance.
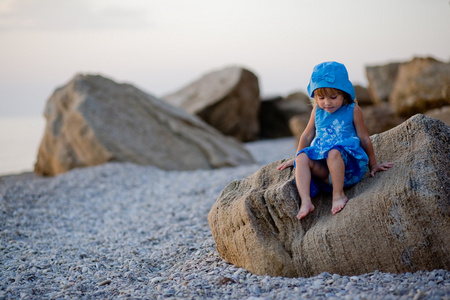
[227, 99]
[397, 222]
[272, 122]
[379, 118]
[275, 114]
[297, 124]
[363, 96]
[422, 84]
[381, 81]
[442, 114]
[297, 103]
[93, 120]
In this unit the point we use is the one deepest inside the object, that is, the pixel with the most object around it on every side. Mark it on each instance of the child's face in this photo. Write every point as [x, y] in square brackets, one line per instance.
[330, 103]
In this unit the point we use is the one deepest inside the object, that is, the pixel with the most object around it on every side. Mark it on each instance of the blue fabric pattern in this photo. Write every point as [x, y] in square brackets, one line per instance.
[337, 131]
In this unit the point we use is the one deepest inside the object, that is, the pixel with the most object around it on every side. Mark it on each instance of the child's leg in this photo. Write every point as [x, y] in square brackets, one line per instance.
[337, 171]
[303, 168]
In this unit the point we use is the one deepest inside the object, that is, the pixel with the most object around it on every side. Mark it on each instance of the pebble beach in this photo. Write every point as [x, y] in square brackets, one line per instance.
[124, 231]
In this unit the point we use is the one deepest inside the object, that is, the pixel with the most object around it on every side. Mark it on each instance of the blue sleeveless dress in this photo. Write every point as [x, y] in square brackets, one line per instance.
[337, 131]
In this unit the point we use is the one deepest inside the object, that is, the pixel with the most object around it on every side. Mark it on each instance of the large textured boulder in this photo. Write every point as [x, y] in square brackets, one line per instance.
[227, 99]
[381, 81]
[422, 84]
[93, 120]
[397, 222]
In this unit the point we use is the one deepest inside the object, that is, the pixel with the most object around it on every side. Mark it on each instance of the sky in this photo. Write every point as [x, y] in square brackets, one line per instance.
[161, 46]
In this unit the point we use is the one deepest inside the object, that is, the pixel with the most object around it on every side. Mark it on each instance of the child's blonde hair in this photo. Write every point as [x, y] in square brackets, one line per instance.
[327, 92]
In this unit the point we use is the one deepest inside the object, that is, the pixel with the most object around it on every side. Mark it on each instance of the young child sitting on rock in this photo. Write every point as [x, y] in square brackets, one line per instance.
[335, 149]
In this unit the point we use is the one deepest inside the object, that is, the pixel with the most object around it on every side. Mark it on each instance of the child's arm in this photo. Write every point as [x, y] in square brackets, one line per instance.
[366, 143]
[305, 139]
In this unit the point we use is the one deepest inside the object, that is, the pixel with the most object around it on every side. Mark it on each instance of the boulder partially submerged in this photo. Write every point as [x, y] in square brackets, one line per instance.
[397, 222]
[93, 120]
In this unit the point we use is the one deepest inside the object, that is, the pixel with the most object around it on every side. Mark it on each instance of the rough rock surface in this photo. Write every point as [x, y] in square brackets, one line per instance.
[422, 84]
[227, 99]
[381, 81]
[397, 222]
[93, 120]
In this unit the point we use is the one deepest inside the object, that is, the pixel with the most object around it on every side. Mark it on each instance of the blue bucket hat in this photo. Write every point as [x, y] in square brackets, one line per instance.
[330, 74]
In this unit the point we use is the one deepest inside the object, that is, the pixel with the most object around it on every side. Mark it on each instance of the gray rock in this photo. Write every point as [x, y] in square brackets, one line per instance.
[395, 222]
[276, 114]
[380, 118]
[421, 84]
[227, 99]
[381, 81]
[442, 114]
[93, 120]
[363, 96]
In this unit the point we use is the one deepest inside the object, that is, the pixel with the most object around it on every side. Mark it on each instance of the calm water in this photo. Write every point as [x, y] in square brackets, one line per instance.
[19, 142]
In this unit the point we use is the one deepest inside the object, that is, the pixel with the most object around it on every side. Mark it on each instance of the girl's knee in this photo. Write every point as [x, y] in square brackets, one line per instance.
[334, 154]
[302, 158]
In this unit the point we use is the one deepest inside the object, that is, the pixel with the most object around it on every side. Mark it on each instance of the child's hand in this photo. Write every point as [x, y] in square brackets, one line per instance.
[286, 164]
[380, 167]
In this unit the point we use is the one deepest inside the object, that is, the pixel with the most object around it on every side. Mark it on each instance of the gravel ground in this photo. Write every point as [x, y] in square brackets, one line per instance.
[135, 232]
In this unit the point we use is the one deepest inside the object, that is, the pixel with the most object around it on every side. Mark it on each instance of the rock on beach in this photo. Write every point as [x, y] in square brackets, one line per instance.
[93, 120]
[397, 222]
[421, 84]
[227, 99]
[381, 81]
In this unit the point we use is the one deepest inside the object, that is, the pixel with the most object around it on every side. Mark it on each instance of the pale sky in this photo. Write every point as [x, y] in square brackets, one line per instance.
[160, 46]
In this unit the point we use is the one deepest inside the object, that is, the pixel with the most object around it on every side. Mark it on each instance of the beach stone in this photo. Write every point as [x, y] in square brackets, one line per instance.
[442, 114]
[421, 84]
[297, 125]
[227, 99]
[363, 96]
[272, 122]
[379, 118]
[397, 222]
[92, 120]
[296, 103]
[276, 113]
[381, 81]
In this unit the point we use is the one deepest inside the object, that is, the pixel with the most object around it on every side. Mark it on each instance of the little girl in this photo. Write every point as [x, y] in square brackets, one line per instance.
[335, 149]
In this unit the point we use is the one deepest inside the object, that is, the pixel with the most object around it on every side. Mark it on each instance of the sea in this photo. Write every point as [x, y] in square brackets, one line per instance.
[20, 138]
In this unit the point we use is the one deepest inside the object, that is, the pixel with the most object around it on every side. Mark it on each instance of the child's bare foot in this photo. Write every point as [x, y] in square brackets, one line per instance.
[305, 209]
[339, 203]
